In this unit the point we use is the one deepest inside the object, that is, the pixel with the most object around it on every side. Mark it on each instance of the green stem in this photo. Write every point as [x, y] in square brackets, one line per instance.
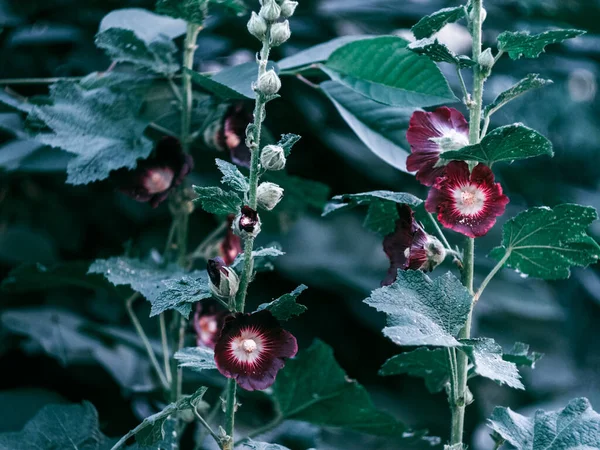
[230, 414]
[491, 275]
[189, 48]
[205, 424]
[165, 347]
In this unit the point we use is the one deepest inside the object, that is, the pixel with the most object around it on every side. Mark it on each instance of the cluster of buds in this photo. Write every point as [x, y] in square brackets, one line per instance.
[268, 23]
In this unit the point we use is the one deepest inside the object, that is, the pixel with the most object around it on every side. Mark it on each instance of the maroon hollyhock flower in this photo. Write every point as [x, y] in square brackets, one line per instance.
[154, 178]
[208, 322]
[410, 247]
[231, 245]
[431, 133]
[231, 133]
[252, 348]
[467, 203]
[248, 220]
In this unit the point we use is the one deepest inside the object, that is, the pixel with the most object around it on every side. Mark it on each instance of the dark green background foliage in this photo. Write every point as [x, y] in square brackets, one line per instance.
[83, 346]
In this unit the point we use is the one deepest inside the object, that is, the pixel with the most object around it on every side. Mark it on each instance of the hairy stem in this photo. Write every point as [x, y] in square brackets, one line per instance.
[230, 414]
[165, 347]
[491, 275]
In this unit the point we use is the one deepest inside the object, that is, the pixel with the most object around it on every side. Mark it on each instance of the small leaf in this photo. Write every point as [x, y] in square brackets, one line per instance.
[531, 81]
[285, 307]
[263, 258]
[431, 365]
[196, 358]
[421, 311]
[433, 23]
[217, 201]
[381, 217]
[232, 176]
[520, 355]
[315, 389]
[438, 52]
[384, 70]
[521, 43]
[193, 11]
[577, 426]
[545, 242]
[214, 87]
[364, 198]
[507, 143]
[287, 141]
[486, 356]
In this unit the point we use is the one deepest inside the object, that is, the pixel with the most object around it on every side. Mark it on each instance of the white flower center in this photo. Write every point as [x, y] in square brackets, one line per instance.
[248, 347]
[158, 180]
[469, 199]
[451, 140]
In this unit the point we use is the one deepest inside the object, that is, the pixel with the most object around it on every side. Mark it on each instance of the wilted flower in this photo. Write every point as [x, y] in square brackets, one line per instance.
[208, 322]
[252, 348]
[431, 133]
[231, 245]
[247, 222]
[154, 178]
[410, 247]
[467, 203]
[224, 282]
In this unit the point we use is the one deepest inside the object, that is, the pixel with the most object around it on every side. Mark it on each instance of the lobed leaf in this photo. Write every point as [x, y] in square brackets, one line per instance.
[217, 201]
[433, 23]
[438, 52]
[285, 307]
[196, 358]
[531, 81]
[522, 43]
[521, 356]
[545, 242]
[232, 176]
[430, 364]
[486, 356]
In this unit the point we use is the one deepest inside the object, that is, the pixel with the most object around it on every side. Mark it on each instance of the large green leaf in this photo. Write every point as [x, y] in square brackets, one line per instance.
[316, 54]
[347, 201]
[431, 365]
[421, 311]
[545, 242]
[214, 87]
[380, 127]
[507, 143]
[164, 287]
[196, 358]
[433, 23]
[521, 43]
[384, 70]
[217, 201]
[531, 81]
[100, 126]
[315, 389]
[577, 426]
[285, 307]
[486, 356]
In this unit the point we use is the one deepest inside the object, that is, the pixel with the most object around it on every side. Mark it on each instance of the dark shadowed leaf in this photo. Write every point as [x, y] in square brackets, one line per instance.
[433, 23]
[381, 217]
[438, 52]
[431, 365]
[189, 10]
[214, 87]
[285, 307]
[522, 43]
[486, 356]
[521, 356]
[347, 201]
[531, 81]
[217, 201]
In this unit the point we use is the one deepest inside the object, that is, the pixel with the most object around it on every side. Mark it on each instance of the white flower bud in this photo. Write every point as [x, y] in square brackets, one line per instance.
[268, 83]
[272, 157]
[270, 10]
[287, 8]
[280, 32]
[257, 26]
[268, 195]
[224, 282]
[486, 59]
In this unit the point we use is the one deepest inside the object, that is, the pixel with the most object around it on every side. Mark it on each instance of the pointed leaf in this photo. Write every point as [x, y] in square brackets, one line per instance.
[433, 23]
[217, 201]
[486, 356]
[521, 43]
[520, 355]
[196, 358]
[384, 70]
[285, 307]
[232, 176]
[364, 198]
[531, 81]
[421, 311]
[214, 87]
[431, 365]
[438, 52]
[287, 141]
[545, 242]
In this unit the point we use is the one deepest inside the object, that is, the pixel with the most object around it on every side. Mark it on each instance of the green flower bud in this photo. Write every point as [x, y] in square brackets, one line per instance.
[257, 26]
[280, 32]
[287, 8]
[268, 195]
[224, 282]
[270, 11]
[486, 61]
[272, 157]
[268, 83]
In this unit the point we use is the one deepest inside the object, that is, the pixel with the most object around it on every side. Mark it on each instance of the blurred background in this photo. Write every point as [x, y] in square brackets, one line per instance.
[71, 357]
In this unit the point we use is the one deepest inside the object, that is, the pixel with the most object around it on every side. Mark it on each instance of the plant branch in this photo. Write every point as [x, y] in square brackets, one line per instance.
[262, 430]
[491, 275]
[463, 86]
[165, 347]
[230, 408]
[205, 424]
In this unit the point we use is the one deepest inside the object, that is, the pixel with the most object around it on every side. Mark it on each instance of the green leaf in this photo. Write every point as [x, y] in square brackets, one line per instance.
[253, 445]
[384, 70]
[214, 87]
[433, 23]
[263, 258]
[285, 307]
[438, 52]
[59, 427]
[507, 143]
[189, 10]
[315, 389]
[232, 176]
[521, 43]
[300, 193]
[520, 355]
[364, 198]
[153, 427]
[164, 287]
[217, 201]
[431, 365]
[100, 126]
[124, 46]
[421, 311]
[287, 141]
[486, 356]
[380, 127]
[145, 24]
[531, 81]
[545, 242]
[381, 217]
[196, 358]
[239, 78]
[577, 426]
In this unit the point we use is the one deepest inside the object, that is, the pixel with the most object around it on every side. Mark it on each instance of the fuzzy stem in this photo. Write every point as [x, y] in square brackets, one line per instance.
[165, 347]
[491, 275]
[189, 48]
[230, 414]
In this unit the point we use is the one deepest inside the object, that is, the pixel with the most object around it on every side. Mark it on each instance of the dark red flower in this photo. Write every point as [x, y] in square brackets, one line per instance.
[208, 322]
[431, 133]
[252, 348]
[410, 247]
[154, 178]
[248, 219]
[467, 203]
[228, 132]
[231, 245]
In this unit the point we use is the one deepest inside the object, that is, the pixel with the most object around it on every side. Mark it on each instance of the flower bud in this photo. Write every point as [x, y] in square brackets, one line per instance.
[280, 32]
[268, 83]
[287, 8]
[435, 251]
[486, 61]
[270, 10]
[272, 157]
[257, 26]
[247, 223]
[268, 195]
[224, 282]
